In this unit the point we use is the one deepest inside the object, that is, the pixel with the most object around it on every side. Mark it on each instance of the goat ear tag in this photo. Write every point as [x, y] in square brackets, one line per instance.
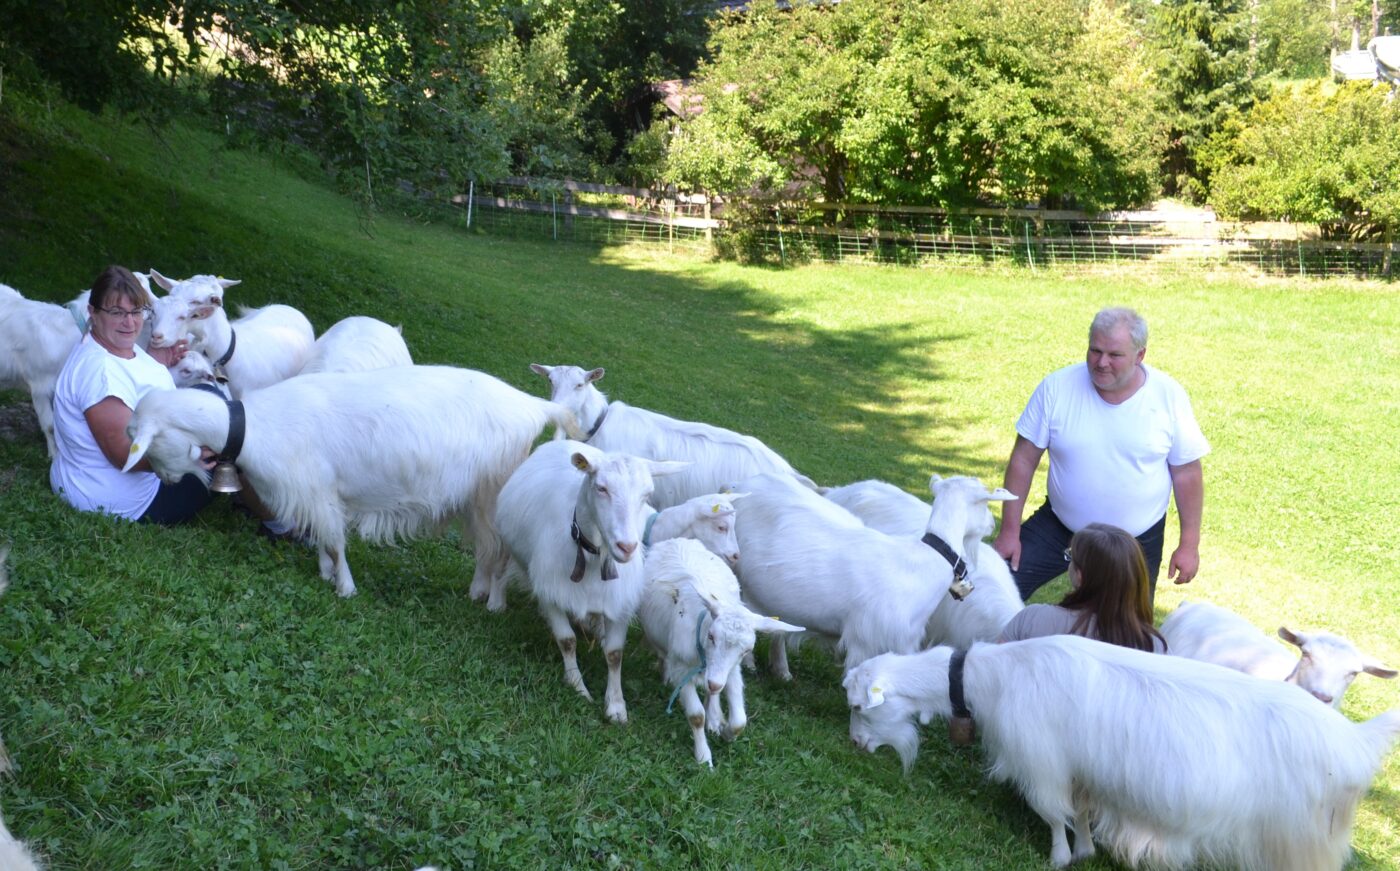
[874, 697]
[134, 448]
[714, 510]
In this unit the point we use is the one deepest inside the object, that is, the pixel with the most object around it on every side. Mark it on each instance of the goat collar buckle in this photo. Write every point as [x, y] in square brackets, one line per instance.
[961, 728]
[961, 586]
[582, 547]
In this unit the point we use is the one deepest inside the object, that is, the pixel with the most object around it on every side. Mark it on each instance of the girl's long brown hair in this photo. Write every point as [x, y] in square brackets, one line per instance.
[1113, 588]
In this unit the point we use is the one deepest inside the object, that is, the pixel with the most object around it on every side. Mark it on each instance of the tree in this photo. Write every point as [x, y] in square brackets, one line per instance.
[1309, 155]
[925, 101]
[1207, 70]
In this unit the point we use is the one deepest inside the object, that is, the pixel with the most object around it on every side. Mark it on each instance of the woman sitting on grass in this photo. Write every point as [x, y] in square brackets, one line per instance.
[1109, 599]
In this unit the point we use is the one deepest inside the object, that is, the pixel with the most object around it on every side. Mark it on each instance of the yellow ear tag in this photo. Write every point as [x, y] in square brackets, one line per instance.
[135, 447]
[877, 697]
[714, 510]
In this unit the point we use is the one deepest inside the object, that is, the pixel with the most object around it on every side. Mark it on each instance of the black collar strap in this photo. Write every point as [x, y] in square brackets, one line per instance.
[228, 355]
[938, 544]
[209, 388]
[955, 684]
[237, 425]
[596, 424]
[582, 545]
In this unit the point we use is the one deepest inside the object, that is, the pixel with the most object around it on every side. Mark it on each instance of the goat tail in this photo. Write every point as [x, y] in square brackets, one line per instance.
[1382, 730]
[564, 419]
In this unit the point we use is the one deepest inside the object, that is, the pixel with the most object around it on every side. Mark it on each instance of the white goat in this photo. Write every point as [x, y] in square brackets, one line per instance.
[718, 456]
[1170, 762]
[35, 339]
[816, 564]
[385, 452]
[687, 587]
[358, 344]
[709, 519]
[14, 855]
[264, 346]
[572, 518]
[892, 511]
[1327, 665]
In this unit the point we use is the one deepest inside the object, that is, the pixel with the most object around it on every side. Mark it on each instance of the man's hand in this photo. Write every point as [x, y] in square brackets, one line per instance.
[1009, 546]
[1185, 562]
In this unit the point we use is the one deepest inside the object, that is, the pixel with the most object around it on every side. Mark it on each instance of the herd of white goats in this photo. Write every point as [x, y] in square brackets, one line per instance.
[696, 532]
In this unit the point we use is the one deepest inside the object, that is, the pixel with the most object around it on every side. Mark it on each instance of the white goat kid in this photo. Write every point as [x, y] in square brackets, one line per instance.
[1326, 667]
[35, 340]
[718, 456]
[572, 518]
[816, 564]
[358, 344]
[693, 618]
[264, 346]
[1170, 762]
[386, 452]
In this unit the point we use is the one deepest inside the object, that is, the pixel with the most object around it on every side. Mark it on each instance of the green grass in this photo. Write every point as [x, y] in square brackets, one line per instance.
[198, 698]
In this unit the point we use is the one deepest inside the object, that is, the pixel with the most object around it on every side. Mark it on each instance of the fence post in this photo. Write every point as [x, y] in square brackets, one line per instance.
[1298, 237]
[1026, 225]
[782, 253]
[471, 189]
[1389, 251]
[709, 231]
[554, 213]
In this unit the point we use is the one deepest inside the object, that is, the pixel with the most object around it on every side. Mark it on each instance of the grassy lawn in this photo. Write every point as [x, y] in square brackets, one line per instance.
[198, 698]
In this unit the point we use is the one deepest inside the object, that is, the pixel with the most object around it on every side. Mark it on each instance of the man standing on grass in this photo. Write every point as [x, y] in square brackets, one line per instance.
[1122, 439]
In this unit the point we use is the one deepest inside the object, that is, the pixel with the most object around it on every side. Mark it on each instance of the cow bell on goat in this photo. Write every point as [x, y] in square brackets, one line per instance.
[961, 731]
[960, 588]
[225, 478]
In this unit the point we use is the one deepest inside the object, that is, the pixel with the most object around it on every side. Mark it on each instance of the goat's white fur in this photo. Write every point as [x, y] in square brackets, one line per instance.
[35, 340]
[718, 457]
[358, 344]
[690, 596]
[1326, 666]
[273, 342]
[814, 563]
[385, 452]
[1169, 761]
[566, 482]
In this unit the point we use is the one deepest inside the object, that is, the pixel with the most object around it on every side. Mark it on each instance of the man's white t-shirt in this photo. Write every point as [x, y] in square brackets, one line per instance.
[1108, 463]
[80, 472]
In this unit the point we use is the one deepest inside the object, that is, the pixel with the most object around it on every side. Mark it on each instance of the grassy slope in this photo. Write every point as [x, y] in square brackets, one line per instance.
[197, 698]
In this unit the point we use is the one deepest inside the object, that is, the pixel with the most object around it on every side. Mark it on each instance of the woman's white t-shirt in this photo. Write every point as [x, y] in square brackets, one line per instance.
[80, 472]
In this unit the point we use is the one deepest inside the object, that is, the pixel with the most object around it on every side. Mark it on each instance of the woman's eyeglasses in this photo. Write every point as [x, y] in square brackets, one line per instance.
[1067, 557]
[122, 314]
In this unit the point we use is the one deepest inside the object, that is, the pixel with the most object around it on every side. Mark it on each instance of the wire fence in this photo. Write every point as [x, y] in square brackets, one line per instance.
[792, 233]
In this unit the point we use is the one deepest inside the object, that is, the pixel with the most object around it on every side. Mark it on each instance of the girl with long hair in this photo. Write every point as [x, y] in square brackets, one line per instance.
[1109, 600]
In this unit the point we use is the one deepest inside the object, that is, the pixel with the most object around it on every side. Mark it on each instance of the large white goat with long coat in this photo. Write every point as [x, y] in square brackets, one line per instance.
[265, 345]
[572, 517]
[1169, 762]
[693, 618]
[1326, 667]
[385, 452]
[35, 340]
[809, 561]
[718, 457]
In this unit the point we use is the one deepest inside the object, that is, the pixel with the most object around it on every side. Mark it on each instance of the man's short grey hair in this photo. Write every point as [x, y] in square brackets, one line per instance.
[1111, 318]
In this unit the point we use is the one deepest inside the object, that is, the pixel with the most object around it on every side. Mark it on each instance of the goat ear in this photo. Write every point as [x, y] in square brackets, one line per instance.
[711, 604]
[595, 375]
[662, 468]
[1371, 668]
[773, 624]
[874, 697]
[933, 482]
[539, 369]
[161, 280]
[581, 462]
[1001, 494]
[1288, 635]
[226, 283]
[139, 445]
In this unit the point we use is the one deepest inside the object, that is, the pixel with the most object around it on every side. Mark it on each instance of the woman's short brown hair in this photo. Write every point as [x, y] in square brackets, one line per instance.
[115, 284]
